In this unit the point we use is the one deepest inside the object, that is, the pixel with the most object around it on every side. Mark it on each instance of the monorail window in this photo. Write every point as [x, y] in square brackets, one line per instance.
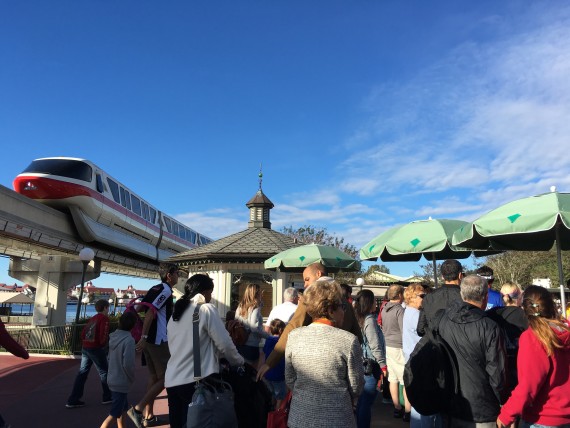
[145, 211]
[152, 215]
[182, 232]
[128, 199]
[191, 237]
[123, 200]
[70, 168]
[114, 190]
[168, 224]
[100, 187]
[136, 204]
[174, 228]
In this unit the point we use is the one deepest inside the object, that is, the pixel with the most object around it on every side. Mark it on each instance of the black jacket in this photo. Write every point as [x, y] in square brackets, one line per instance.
[478, 345]
[513, 322]
[440, 298]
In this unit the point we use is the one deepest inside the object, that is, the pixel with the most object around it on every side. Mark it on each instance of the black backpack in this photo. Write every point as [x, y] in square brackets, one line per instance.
[431, 375]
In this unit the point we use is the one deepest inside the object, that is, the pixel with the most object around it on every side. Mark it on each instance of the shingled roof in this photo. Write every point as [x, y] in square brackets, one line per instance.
[253, 245]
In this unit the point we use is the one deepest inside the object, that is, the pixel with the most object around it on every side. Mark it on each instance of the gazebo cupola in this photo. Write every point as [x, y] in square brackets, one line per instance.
[259, 207]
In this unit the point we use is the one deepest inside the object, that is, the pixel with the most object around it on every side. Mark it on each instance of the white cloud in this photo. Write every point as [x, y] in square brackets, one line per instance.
[485, 124]
[216, 223]
[490, 118]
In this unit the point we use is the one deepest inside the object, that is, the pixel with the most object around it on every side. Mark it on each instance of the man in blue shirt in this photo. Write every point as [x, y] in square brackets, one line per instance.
[495, 298]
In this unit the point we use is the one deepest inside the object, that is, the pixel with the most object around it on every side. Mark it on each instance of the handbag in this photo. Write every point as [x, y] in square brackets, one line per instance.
[212, 404]
[278, 418]
[371, 367]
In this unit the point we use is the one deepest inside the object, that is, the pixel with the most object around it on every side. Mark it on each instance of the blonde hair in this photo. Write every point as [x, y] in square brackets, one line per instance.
[250, 299]
[411, 291]
[321, 296]
[510, 292]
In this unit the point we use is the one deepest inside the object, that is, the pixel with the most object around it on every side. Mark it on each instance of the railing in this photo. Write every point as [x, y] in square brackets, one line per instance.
[60, 340]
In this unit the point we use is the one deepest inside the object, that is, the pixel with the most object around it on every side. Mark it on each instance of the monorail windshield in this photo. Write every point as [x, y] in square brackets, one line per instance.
[70, 168]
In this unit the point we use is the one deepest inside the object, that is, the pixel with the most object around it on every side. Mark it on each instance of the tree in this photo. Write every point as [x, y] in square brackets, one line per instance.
[377, 268]
[524, 266]
[318, 235]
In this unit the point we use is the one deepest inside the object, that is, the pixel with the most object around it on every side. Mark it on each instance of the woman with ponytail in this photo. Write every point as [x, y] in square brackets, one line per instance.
[542, 396]
[374, 348]
[214, 340]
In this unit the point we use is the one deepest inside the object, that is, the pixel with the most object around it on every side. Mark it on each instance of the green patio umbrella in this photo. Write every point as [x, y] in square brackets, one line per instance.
[429, 238]
[298, 258]
[535, 223]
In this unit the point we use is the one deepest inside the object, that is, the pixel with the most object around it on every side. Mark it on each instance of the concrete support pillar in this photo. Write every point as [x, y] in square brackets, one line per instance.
[52, 276]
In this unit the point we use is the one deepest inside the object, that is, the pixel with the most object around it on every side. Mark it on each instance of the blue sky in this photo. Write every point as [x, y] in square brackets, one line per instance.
[365, 115]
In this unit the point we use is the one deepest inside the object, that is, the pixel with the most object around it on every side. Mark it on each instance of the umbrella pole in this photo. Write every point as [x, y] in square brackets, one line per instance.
[434, 268]
[560, 272]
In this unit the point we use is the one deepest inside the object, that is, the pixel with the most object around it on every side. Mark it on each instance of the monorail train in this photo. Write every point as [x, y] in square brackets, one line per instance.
[103, 209]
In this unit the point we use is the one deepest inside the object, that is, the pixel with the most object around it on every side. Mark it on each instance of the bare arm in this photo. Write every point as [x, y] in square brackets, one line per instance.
[149, 317]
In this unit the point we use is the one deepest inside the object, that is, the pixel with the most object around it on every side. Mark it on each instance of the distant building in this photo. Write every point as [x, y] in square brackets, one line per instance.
[124, 296]
[542, 282]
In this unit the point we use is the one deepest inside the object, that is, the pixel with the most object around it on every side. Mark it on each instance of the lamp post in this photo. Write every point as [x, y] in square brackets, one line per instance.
[360, 282]
[85, 255]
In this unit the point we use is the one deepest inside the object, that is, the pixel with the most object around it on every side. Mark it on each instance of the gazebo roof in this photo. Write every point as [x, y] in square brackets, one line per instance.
[253, 245]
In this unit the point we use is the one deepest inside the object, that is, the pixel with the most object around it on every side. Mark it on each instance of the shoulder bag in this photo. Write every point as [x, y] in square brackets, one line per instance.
[212, 404]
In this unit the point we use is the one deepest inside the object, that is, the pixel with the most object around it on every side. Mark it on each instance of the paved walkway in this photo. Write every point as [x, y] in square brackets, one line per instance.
[33, 394]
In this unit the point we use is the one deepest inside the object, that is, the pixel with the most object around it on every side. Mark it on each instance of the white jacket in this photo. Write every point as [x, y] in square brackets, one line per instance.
[215, 342]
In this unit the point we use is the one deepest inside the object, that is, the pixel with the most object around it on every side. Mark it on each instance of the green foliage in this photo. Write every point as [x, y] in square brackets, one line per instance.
[377, 268]
[523, 266]
[318, 235]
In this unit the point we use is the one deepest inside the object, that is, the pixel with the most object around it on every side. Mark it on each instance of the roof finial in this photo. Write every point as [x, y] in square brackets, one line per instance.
[260, 175]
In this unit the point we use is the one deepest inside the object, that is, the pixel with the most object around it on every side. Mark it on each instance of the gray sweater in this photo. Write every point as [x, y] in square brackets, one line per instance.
[121, 372]
[392, 324]
[323, 369]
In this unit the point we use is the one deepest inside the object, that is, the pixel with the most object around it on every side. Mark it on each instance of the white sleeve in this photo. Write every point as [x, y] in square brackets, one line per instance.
[220, 336]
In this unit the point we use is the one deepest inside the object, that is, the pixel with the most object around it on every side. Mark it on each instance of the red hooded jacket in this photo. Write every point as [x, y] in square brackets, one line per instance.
[542, 395]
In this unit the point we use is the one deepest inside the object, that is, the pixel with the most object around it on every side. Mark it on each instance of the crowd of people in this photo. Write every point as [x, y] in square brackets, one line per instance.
[329, 353]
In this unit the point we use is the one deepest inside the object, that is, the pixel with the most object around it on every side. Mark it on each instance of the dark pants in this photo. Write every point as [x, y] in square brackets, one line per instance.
[179, 397]
[89, 357]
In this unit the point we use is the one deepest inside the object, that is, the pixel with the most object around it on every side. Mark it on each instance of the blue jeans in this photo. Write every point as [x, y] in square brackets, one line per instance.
[421, 421]
[89, 357]
[365, 402]
[525, 424]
